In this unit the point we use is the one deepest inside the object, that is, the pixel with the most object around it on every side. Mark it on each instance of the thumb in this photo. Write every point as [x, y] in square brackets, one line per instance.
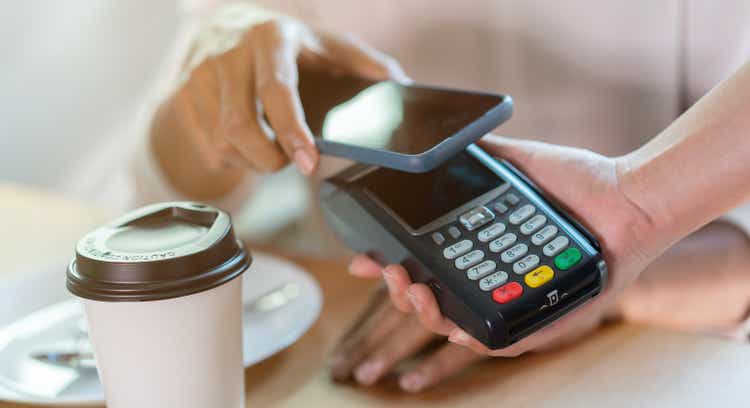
[363, 266]
[543, 160]
[517, 151]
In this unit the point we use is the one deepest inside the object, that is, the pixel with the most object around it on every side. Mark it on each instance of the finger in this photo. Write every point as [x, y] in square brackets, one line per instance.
[196, 136]
[543, 160]
[405, 340]
[398, 281]
[197, 104]
[247, 137]
[427, 309]
[232, 156]
[376, 323]
[446, 362]
[377, 306]
[357, 57]
[275, 52]
[239, 137]
[581, 330]
[363, 266]
[518, 152]
[459, 337]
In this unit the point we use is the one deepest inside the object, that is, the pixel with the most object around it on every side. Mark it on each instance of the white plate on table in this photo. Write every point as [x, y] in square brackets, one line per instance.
[57, 327]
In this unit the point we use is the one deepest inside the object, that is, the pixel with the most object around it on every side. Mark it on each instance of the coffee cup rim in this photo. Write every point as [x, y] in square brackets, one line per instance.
[100, 273]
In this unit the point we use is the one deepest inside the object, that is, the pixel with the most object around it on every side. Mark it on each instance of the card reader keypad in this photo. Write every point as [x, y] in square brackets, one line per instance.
[481, 270]
[458, 249]
[526, 264]
[503, 242]
[514, 253]
[491, 282]
[470, 259]
[509, 234]
[533, 224]
[544, 235]
[522, 214]
[556, 245]
[491, 232]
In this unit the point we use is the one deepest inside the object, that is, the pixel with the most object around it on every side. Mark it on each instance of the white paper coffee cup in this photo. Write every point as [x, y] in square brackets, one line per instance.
[162, 293]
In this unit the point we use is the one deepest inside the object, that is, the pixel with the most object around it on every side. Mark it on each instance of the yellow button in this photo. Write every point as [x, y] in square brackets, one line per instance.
[539, 276]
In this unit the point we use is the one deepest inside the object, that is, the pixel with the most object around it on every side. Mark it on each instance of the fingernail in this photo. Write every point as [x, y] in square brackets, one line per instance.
[413, 299]
[458, 337]
[412, 382]
[353, 265]
[304, 161]
[367, 373]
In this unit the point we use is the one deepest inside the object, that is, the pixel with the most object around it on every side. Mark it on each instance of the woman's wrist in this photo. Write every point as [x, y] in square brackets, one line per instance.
[642, 220]
[696, 169]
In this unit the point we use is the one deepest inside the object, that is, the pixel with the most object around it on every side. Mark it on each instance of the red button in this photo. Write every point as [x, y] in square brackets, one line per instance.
[507, 292]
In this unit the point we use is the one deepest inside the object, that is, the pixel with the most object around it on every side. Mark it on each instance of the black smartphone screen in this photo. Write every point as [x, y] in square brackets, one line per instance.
[385, 115]
[420, 198]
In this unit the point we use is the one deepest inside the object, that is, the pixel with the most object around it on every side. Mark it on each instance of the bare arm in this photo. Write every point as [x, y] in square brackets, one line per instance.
[697, 169]
[638, 205]
[701, 284]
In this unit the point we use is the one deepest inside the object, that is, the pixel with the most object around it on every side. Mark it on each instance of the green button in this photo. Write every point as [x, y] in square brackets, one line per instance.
[568, 258]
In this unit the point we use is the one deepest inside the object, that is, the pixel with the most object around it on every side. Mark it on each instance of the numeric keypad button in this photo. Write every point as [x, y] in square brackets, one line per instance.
[481, 270]
[470, 259]
[556, 246]
[491, 232]
[503, 242]
[522, 214]
[526, 264]
[457, 249]
[539, 276]
[532, 225]
[513, 254]
[544, 235]
[492, 281]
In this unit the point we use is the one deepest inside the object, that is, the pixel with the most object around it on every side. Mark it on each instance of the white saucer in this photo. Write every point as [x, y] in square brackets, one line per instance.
[55, 328]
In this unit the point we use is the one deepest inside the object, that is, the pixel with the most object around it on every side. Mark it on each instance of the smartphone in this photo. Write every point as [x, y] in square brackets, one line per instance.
[411, 128]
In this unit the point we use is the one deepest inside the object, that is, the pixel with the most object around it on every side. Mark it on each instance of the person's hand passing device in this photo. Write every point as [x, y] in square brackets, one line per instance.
[406, 127]
[502, 260]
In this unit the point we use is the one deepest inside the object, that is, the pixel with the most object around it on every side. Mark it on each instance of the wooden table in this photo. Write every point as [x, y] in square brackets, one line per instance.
[620, 366]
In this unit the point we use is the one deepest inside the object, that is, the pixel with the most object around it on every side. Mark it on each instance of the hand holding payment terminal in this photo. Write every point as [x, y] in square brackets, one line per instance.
[502, 260]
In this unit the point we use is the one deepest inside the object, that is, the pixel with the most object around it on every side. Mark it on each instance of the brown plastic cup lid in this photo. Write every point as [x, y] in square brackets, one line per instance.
[160, 251]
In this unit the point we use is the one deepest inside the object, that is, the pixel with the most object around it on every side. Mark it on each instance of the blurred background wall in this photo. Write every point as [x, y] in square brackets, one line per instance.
[91, 62]
[73, 73]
